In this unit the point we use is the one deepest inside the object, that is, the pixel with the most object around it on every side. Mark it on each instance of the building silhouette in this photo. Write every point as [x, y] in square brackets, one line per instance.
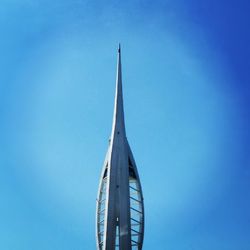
[120, 209]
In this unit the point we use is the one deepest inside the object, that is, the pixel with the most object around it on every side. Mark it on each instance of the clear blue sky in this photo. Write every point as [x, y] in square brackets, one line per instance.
[186, 96]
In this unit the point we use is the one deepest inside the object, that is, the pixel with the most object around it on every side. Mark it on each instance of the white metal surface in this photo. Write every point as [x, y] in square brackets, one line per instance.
[120, 209]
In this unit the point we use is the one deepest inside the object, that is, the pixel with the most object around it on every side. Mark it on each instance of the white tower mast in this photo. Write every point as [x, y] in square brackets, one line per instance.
[120, 209]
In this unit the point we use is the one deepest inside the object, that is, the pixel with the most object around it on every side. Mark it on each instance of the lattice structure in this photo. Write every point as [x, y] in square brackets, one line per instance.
[101, 210]
[136, 213]
[120, 209]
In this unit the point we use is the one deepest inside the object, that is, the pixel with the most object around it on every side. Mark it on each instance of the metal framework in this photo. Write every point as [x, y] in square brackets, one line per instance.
[119, 209]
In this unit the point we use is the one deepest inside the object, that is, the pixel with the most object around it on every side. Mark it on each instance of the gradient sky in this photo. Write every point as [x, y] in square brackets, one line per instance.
[187, 109]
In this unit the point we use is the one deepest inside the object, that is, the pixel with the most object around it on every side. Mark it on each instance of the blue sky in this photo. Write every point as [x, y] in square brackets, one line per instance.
[186, 96]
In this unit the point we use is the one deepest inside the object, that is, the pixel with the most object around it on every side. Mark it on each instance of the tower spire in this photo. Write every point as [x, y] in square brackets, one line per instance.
[120, 209]
[118, 117]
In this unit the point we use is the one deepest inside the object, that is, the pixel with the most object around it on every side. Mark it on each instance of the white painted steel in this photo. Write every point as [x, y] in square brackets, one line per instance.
[120, 209]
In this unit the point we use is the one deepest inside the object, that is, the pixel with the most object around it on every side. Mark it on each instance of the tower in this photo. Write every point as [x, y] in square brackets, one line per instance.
[120, 209]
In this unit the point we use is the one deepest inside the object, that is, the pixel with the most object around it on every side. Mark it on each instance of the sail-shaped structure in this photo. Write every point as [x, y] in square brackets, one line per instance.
[120, 208]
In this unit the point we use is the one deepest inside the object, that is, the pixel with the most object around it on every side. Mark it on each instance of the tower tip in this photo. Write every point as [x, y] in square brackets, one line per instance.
[119, 48]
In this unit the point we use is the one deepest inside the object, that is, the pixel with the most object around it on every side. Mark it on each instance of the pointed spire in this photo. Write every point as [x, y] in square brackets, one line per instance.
[119, 187]
[118, 118]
